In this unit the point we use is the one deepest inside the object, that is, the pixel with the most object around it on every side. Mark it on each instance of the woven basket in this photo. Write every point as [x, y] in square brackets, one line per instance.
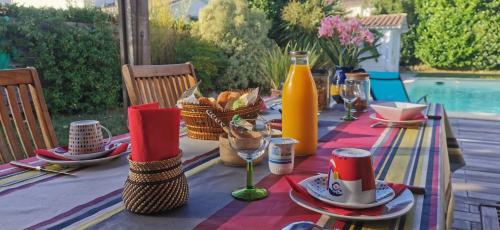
[201, 126]
[156, 186]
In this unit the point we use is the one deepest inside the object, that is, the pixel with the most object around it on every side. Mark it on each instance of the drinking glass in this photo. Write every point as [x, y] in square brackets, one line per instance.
[250, 143]
[349, 91]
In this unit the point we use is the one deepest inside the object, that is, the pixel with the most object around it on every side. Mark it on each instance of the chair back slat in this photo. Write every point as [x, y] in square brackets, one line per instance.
[147, 90]
[4, 149]
[42, 113]
[158, 83]
[172, 89]
[153, 87]
[15, 151]
[24, 94]
[177, 84]
[25, 120]
[166, 91]
[160, 91]
[15, 110]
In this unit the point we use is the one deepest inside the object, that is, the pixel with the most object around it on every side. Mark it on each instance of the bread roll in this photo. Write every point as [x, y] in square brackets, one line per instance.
[222, 99]
[205, 101]
[233, 95]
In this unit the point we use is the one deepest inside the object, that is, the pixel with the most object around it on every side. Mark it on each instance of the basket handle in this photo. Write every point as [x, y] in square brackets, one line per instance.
[214, 117]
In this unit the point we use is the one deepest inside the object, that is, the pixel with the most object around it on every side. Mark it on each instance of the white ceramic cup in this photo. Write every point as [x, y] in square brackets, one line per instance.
[351, 177]
[86, 137]
[281, 155]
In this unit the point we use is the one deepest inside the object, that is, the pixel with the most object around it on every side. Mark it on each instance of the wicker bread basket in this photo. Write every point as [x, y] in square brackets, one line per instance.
[156, 186]
[201, 126]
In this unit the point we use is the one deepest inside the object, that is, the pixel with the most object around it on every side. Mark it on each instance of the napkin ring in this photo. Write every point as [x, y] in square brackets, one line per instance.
[155, 186]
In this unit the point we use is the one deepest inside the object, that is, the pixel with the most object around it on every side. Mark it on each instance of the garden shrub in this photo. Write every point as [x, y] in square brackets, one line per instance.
[301, 19]
[208, 60]
[241, 32]
[459, 34]
[300, 23]
[74, 51]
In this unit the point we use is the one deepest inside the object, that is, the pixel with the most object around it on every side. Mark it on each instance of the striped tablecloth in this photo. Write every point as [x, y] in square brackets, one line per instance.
[418, 157]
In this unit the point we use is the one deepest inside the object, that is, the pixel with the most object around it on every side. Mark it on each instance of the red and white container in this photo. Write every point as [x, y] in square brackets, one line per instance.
[351, 176]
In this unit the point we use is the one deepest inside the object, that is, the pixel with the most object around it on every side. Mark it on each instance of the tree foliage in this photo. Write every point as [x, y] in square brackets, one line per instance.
[241, 32]
[409, 38]
[73, 50]
[165, 32]
[209, 61]
[273, 10]
[461, 34]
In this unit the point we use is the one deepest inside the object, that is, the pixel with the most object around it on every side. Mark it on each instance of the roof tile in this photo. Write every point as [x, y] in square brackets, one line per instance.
[385, 20]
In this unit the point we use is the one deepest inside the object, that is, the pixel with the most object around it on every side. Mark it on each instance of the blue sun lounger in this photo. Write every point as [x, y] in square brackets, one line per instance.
[388, 86]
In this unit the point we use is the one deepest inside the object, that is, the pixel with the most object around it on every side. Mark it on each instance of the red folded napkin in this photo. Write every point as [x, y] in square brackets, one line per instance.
[375, 211]
[49, 154]
[154, 132]
[46, 153]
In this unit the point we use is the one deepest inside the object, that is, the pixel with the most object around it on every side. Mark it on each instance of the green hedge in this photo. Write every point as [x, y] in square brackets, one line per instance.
[74, 51]
[459, 34]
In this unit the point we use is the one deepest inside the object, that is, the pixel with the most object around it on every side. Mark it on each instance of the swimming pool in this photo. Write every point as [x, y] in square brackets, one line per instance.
[458, 94]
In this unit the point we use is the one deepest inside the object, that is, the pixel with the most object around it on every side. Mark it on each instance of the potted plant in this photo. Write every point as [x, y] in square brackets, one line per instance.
[346, 42]
[300, 22]
[274, 64]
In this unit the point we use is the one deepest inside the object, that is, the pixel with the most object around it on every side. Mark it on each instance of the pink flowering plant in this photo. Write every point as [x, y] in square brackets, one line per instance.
[347, 42]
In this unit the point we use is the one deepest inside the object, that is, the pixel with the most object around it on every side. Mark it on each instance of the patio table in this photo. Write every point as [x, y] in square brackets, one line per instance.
[419, 157]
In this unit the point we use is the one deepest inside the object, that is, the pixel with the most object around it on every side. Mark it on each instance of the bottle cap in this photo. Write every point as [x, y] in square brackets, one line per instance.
[298, 53]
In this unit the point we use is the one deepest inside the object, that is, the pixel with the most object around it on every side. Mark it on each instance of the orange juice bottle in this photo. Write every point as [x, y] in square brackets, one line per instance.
[300, 105]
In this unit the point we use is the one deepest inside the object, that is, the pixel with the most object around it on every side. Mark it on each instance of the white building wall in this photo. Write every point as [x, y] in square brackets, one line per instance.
[389, 50]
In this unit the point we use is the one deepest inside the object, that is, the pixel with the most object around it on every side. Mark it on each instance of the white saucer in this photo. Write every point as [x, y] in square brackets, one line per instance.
[77, 157]
[373, 116]
[395, 208]
[81, 162]
[316, 187]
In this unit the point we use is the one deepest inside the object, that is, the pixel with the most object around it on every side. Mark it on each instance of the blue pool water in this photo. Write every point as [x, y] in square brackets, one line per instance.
[459, 95]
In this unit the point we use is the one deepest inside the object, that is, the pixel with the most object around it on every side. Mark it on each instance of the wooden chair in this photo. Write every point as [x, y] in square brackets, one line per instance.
[25, 120]
[158, 83]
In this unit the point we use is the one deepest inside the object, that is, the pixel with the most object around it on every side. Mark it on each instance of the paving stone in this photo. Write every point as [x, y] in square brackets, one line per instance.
[461, 225]
[472, 217]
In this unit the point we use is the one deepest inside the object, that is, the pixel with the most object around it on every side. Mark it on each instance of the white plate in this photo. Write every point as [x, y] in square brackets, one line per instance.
[373, 116]
[64, 153]
[316, 187]
[395, 208]
[81, 162]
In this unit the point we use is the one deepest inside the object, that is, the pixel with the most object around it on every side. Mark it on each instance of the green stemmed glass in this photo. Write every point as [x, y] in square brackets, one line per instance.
[250, 144]
[349, 91]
